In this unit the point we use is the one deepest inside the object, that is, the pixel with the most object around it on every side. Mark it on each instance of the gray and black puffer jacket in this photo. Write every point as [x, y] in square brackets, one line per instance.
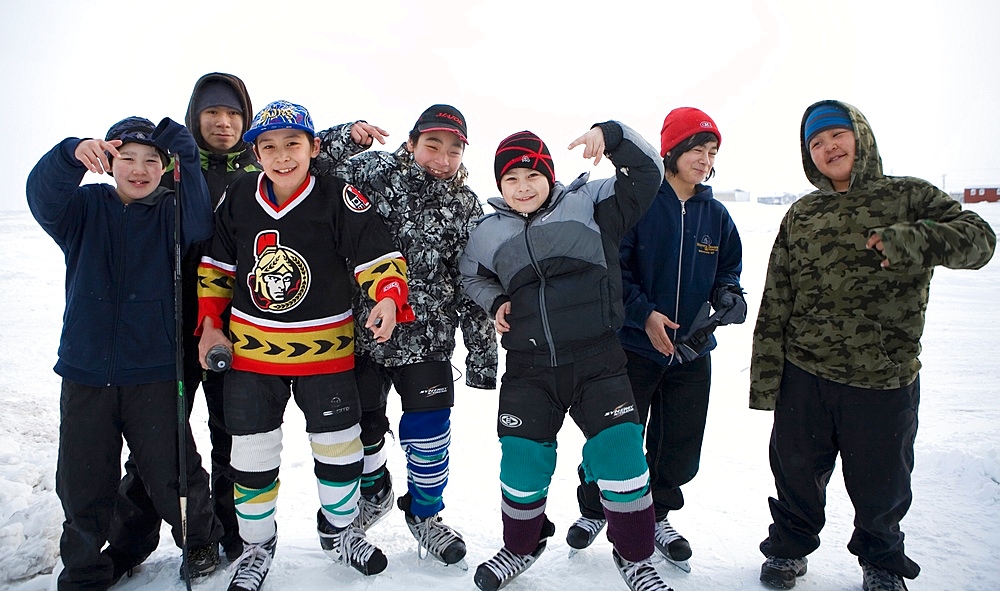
[828, 306]
[559, 266]
[429, 220]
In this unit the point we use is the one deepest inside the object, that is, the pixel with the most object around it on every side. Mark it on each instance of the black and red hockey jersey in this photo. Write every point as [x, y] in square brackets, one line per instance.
[284, 269]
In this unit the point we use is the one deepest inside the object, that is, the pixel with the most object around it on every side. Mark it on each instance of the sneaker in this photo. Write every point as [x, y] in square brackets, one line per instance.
[252, 565]
[372, 509]
[670, 543]
[496, 572]
[639, 576]
[782, 572]
[123, 562]
[440, 541]
[584, 531]
[348, 545]
[880, 579]
[201, 561]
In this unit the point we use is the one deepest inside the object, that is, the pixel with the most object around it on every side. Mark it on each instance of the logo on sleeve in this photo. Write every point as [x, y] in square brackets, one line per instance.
[355, 200]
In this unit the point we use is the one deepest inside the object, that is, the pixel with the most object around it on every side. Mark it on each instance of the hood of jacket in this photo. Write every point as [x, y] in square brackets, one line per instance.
[191, 118]
[867, 162]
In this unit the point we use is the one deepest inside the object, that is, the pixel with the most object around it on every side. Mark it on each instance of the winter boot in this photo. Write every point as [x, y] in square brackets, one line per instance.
[782, 572]
[639, 576]
[670, 543]
[252, 566]
[123, 562]
[880, 579]
[348, 545]
[201, 561]
[496, 572]
[440, 541]
[372, 509]
[584, 531]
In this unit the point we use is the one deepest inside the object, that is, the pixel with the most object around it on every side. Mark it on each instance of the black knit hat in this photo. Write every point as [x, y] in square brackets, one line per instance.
[524, 150]
[217, 93]
[135, 130]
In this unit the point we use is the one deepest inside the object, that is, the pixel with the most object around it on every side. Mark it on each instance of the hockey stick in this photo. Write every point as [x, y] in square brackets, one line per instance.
[182, 423]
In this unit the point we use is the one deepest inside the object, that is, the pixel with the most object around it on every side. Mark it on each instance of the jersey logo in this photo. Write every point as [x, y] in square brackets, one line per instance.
[510, 421]
[280, 278]
[355, 200]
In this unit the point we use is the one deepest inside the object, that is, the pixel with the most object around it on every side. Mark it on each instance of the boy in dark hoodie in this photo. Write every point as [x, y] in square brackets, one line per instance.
[836, 342]
[117, 350]
[218, 115]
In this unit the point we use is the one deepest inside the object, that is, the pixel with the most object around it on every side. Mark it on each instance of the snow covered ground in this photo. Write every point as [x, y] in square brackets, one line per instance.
[953, 527]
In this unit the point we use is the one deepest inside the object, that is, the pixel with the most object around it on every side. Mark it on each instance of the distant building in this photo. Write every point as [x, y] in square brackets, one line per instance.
[734, 195]
[979, 194]
[783, 199]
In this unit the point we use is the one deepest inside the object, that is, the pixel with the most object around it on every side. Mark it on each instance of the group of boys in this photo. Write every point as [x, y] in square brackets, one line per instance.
[268, 277]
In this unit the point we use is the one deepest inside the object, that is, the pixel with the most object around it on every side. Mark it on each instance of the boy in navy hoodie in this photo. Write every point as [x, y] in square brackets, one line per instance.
[117, 349]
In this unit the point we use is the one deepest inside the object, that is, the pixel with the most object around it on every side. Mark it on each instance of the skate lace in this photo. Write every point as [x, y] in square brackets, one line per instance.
[665, 533]
[252, 566]
[434, 536]
[591, 526]
[641, 576]
[506, 565]
[354, 547]
[369, 511]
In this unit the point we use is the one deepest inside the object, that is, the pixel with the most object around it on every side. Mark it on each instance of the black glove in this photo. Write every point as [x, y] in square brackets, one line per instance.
[691, 345]
[173, 138]
[730, 306]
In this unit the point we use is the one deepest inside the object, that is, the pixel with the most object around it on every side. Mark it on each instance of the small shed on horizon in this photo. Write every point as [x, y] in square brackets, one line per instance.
[980, 194]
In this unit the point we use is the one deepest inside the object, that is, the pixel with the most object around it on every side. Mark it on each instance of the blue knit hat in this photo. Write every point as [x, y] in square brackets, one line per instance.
[826, 116]
[280, 115]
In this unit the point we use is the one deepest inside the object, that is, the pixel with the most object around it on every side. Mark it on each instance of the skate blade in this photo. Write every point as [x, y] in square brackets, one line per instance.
[684, 565]
[461, 565]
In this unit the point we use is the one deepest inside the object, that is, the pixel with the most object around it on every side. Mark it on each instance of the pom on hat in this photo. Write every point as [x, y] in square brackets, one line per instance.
[280, 115]
[523, 150]
[824, 116]
[443, 118]
[135, 130]
[682, 123]
[217, 93]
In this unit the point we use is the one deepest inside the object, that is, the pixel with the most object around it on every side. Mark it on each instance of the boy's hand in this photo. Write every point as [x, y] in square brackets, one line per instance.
[656, 329]
[362, 134]
[94, 154]
[875, 243]
[382, 320]
[500, 322]
[593, 142]
[210, 337]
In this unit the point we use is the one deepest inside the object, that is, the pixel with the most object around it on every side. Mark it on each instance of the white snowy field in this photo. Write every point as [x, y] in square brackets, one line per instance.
[953, 527]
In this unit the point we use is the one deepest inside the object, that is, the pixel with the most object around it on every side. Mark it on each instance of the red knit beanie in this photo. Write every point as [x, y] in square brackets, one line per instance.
[523, 150]
[682, 123]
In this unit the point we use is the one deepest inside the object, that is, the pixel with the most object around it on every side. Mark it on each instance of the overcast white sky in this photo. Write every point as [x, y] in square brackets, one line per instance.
[925, 73]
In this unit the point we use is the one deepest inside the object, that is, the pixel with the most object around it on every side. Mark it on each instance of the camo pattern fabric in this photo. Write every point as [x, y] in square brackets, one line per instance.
[430, 220]
[828, 306]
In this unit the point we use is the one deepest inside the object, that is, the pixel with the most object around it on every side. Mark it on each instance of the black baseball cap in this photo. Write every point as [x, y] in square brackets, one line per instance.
[443, 118]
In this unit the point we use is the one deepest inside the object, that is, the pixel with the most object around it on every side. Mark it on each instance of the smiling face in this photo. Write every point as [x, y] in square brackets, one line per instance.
[137, 171]
[832, 152]
[438, 152]
[524, 189]
[284, 154]
[693, 168]
[221, 127]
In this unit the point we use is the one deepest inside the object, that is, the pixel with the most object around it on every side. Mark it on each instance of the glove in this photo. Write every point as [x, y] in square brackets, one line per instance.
[173, 138]
[691, 345]
[730, 306]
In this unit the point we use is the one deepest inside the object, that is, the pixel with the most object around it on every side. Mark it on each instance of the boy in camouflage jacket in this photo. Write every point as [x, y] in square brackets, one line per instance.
[420, 192]
[837, 337]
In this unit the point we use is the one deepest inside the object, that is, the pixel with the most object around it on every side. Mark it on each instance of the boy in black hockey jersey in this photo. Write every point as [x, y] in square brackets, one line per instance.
[278, 256]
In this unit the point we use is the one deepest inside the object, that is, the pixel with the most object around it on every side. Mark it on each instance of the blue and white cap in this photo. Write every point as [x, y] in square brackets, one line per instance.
[280, 115]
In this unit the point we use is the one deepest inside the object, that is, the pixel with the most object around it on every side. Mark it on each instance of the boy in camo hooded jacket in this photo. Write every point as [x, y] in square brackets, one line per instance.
[837, 337]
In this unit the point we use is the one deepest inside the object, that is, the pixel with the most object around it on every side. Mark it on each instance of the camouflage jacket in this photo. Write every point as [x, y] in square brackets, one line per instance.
[430, 220]
[827, 305]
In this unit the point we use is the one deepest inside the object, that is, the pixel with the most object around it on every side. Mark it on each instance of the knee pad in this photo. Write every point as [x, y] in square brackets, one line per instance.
[614, 459]
[526, 468]
[256, 457]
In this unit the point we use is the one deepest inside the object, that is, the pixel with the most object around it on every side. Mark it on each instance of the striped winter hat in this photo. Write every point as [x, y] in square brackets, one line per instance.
[823, 116]
[524, 150]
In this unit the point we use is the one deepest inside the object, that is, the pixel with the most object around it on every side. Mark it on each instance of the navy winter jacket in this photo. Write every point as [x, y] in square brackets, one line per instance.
[671, 261]
[118, 326]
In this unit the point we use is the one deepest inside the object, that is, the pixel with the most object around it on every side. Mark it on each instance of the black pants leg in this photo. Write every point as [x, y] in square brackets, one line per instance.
[222, 448]
[87, 473]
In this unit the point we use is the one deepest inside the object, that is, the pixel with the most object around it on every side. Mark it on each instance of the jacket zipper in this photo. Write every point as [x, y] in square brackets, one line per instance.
[680, 265]
[541, 294]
